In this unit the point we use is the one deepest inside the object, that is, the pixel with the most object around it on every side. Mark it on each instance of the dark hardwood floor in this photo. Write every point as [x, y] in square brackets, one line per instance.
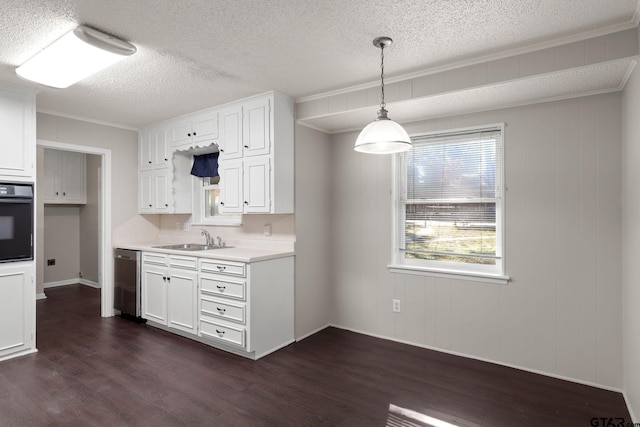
[93, 371]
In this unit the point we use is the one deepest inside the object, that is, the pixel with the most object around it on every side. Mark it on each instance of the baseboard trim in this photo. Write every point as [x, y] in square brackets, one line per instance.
[634, 420]
[313, 332]
[66, 282]
[61, 283]
[41, 296]
[90, 283]
[19, 354]
[482, 359]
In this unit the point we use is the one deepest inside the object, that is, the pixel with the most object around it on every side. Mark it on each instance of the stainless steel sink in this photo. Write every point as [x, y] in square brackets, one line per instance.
[191, 247]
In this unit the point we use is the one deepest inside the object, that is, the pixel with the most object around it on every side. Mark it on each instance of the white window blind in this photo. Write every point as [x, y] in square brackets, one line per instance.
[450, 201]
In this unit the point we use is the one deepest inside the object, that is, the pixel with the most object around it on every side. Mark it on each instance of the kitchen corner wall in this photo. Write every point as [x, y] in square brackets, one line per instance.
[561, 313]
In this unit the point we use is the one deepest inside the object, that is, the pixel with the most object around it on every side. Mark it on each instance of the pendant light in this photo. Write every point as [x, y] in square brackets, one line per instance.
[383, 135]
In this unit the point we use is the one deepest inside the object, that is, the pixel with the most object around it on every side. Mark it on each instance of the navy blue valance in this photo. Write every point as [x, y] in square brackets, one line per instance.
[205, 165]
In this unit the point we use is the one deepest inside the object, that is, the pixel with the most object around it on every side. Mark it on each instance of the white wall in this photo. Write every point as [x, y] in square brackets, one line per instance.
[561, 313]
[631, 241]
[89, 226]
[313, 222]
[61, 242]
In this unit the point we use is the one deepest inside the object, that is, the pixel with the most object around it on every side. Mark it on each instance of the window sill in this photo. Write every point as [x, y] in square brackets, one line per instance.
[449, 274]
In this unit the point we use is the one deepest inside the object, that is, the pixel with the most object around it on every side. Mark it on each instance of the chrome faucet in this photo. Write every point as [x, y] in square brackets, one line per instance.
[207, 237]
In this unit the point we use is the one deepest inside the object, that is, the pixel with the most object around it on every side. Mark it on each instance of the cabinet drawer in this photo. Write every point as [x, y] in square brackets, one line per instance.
[223, 310]
[211, 329]
[222, 287]
[222, 267]
[183, 262]
[153, 258]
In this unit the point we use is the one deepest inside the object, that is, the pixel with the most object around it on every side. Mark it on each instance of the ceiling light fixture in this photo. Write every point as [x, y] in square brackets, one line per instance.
[73, 57]
[383, 135]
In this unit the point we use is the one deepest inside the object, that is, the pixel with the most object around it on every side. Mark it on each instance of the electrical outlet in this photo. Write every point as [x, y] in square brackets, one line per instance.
[396, 306]
[186, 226]
[178, 226]
[266, 230]
[51, 262]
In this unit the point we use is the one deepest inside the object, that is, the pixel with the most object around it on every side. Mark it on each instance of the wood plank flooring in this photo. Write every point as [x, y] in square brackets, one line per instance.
[93, 371]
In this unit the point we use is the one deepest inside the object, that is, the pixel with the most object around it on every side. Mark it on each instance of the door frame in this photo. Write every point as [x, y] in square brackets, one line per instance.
[105, 263]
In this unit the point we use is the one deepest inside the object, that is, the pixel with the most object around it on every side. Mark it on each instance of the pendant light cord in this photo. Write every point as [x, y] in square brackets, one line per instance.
[382, 104]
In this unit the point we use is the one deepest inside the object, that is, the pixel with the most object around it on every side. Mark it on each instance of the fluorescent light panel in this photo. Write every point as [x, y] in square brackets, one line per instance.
[73, 57]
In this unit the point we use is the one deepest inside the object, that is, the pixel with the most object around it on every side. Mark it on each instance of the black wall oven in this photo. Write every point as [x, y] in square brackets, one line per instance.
[16, 221]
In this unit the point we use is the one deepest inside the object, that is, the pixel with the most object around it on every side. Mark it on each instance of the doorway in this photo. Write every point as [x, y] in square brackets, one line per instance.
[105, 262]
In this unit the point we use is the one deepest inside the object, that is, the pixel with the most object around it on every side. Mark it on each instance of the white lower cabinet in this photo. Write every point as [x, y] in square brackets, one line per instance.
[169, 291]
[243, 308]
[17, 310]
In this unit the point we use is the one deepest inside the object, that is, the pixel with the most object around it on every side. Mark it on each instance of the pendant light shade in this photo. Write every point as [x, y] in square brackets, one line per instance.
[383, 135]
[73, 57]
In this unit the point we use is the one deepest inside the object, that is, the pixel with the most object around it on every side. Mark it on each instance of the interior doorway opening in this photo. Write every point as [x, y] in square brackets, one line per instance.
[105, 262]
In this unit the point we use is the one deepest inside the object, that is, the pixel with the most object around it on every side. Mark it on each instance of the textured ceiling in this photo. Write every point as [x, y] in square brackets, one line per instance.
[193, 54]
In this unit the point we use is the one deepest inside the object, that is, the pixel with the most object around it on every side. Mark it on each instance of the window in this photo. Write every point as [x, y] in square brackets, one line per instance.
[449, 205]
[206, 196]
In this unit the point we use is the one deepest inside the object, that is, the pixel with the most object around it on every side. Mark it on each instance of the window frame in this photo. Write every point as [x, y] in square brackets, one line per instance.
[198, 193]
[464, 271]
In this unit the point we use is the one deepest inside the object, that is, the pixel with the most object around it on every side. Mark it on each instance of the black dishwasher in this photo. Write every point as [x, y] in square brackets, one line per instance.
[126, 287]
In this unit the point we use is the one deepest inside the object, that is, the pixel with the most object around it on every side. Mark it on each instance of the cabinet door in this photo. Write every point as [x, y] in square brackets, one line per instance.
[154, 294]
[52, 179]
[256, 138]
[145, 155]
[257, 185]
[162, 190]
[73, 173]
[182, 299]
[160, 148]
[205, 127]
[230, 185]
[145, 192]
[180, 132]
[231, 133]
[17, 300]
[18, 141]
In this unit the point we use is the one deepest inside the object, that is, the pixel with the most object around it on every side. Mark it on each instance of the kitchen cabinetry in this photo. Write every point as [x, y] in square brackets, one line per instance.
[18, 130]
[230, 141]
[64, 177]
[195, 129]
[247, 308]
[243, 308]
[169, 291]
[153, 149]
[266, 182]
[17, 310]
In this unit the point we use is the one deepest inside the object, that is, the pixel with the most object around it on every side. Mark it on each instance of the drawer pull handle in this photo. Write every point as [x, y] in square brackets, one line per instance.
[221, 310]
[221, 267]
[220, 332]
[221, 288]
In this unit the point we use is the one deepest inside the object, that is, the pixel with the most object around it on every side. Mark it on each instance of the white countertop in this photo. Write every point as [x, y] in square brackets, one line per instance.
[239, 254]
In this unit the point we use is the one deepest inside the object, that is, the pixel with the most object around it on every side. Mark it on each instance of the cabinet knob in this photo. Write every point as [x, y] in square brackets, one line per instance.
[57, 194]
[218, 331]
[168, 279]
[221, 203]
[246, 146]
[188, 134]
[221, 150]
[64, 194]
[166, 160]
[149, 205]
[221, 267]
[246, 203]
[149, 161]
[221, 310]
[221, 288]
[166, 205]
[194, 134]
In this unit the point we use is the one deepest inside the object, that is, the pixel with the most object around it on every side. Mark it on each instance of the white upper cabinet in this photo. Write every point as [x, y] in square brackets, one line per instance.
[18, 130]
[257, 184]
[153, 149]
[256, 125]
[198, 129]
[65, 177]
[230, 172]
[231, 133]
